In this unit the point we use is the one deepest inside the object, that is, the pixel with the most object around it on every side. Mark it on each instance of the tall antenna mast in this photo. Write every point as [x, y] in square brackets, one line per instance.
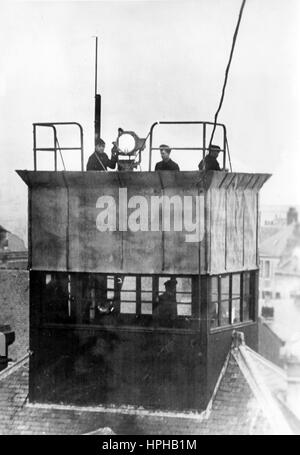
[97, 98]
[96, 64]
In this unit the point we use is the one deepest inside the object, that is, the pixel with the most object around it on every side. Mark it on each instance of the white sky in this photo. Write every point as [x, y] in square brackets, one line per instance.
[158, 60]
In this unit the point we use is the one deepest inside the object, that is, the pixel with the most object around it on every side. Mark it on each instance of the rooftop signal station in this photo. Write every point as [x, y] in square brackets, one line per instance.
[138, 307]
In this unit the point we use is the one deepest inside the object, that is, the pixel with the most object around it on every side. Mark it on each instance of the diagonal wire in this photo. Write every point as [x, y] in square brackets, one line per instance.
[57, 143]
[227, 69]
[227, 147]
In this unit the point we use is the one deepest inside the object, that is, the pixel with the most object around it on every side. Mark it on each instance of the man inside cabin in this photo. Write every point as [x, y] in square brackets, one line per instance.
[166, 164]
[99, 160]
[210, 162]
[165, 311]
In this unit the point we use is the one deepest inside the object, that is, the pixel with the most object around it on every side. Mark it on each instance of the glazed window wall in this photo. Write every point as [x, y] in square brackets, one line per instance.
[81, 298]
[145, 300]
[231, 298]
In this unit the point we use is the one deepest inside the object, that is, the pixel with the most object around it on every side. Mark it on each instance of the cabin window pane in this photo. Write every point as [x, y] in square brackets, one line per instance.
[146, 283]
[129, 296]
[146, 296]
[128, 307]
[184, 310]
[110, 293]
[162, 281]
[214, 295]
[213, 314]
[235, 311]
[110, 282]
[184, 297]
[246, 296]
[129, 283]
[146, 308]
[225, 287]
[224, 312]
[214, 302]
[184, 284]
[236, 298]
[224, 304]
[236, 286]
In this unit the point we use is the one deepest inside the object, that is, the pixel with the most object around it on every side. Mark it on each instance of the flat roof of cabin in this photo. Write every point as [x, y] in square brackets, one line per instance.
[181, 179]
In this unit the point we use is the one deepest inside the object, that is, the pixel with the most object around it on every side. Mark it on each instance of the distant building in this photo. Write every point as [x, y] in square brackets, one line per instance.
[279, 287]
[13, 253]
[280, 260]
[275, 216]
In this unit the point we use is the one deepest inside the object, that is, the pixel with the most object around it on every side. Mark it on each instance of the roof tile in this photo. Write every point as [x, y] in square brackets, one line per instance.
[234, 410]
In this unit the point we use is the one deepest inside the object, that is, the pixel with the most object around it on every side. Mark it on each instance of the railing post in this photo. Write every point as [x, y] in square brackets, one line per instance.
[55, 149]
[56, 146]
[81, 146]
[150, 144]
[34, 147]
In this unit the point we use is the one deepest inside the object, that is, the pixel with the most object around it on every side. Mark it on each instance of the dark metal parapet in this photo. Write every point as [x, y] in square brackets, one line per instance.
[63, 211]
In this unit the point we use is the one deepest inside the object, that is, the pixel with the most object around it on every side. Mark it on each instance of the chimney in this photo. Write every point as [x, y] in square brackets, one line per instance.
[292, 216]
[290, 354]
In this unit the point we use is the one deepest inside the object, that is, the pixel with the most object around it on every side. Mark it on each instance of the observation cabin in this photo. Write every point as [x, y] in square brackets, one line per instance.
[138, 279]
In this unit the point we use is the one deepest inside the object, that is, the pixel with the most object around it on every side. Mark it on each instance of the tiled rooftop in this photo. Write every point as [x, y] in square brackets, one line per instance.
[234, 410]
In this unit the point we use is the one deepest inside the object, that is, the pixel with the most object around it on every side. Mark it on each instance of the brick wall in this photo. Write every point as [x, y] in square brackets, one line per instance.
[14, 308]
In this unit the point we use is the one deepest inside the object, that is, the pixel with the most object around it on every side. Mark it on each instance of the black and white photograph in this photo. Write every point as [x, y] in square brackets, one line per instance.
[150, 220]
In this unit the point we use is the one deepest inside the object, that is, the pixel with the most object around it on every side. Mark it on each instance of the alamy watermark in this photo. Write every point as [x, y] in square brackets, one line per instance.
[174, 213]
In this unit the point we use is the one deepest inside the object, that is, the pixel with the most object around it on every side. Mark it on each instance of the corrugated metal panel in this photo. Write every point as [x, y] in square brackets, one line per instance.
[65, 236]
[141, 250]
[232, 243]
[217, 214]
[180, 254]
[49, 228]
[90, 249]
[234, 230]
[250, 232]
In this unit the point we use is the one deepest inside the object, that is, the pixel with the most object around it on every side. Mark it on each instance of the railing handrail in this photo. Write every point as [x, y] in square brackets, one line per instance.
[55, 148]
[189, 122]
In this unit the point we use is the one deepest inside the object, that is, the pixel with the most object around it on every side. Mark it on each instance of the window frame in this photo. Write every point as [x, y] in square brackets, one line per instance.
[250, 295]
[77, 318]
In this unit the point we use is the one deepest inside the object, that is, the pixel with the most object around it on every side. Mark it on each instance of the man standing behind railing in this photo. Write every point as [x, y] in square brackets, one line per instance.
[99, 160]
[210, 162]
[166, 164]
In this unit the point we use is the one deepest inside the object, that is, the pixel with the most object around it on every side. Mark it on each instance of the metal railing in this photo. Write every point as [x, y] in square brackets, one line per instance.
[205, 141]
[56, 147]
